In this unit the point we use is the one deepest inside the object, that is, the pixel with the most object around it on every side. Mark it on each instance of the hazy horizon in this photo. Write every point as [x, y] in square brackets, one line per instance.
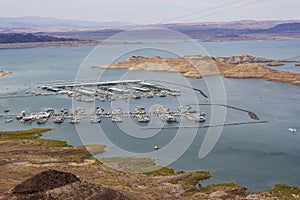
[150, 12]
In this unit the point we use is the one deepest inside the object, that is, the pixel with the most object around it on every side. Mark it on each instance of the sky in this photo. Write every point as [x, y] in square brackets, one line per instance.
[153, 11]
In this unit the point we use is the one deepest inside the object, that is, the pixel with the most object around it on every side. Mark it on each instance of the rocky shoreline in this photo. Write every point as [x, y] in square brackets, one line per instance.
[243, 66]
[34, 168]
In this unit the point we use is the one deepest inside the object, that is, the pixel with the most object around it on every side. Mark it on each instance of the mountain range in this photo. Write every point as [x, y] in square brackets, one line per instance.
[54, 23]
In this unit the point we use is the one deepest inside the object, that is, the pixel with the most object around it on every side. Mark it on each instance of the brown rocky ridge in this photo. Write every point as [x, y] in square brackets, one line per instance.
[243, 66]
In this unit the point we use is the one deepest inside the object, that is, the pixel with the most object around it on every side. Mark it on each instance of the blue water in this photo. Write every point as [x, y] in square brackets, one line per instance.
[256, 156]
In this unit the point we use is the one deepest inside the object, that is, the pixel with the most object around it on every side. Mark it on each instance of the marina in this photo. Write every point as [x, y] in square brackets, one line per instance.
[116, 115]
[110, 90]
[245, 152]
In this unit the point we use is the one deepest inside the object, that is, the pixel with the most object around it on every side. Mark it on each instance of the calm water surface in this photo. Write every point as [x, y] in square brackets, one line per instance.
[256, 156]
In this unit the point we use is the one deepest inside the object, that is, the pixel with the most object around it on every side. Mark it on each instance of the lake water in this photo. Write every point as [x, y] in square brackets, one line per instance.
[256, 156]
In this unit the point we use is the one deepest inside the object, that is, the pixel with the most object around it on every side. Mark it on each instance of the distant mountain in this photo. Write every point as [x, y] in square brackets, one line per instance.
[29, 38]
[290, 27]
[49, 22]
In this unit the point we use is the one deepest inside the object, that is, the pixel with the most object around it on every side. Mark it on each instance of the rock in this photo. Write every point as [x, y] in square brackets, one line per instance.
[242, 59]
[46, 180]
[57, 185]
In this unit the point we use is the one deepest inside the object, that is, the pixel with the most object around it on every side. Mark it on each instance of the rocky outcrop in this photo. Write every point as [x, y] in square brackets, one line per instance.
[44, 181]
[53, 184]
[3, 73]
[243, 66]
[243, 59]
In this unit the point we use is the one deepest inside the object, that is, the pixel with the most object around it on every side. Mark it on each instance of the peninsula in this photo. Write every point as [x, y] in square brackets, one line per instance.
[197, 66]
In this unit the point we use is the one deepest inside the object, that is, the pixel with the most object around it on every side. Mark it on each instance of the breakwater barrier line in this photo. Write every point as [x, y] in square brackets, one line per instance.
[208, 126]
[250, 113]
[195, 89]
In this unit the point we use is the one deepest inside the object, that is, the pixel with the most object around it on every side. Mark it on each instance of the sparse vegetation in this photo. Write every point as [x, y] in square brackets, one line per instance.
[30, 134]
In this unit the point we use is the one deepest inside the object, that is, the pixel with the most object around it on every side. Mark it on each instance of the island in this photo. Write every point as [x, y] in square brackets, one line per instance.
[36, 168]
[3, 73]
[197, 66]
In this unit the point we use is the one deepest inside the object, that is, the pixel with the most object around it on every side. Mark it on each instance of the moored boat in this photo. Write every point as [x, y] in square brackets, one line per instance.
[75, 120]
[58, 119]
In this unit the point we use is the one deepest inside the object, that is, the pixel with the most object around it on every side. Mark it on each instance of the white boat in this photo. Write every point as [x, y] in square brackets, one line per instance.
[44, 115]
[162, 95]
[28, 119]
[116, 111]
[116, 119]
[156, 147]
[171, 119]
[142, 119]
[95, 119]
[139, 110]
[200, 118]
[292, 130]
[58, 119]
[75, 120]
[99, 111]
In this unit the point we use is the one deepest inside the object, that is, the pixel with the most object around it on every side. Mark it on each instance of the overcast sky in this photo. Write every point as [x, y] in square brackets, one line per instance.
[153, 11]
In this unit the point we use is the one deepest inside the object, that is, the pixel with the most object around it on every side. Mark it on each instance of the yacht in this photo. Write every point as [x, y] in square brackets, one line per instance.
[75, 120]
[292, 130]
[58, 119]
[116, 119]
[142, 119]
[171, 119]
[95, 119]
[200, 118]
[28, 119]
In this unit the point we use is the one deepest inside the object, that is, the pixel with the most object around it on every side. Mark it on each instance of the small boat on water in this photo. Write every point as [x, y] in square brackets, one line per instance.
[162, 95]
[75, 120]
[9, 120]
[116, 119]
[156, 147]
[28, 119]
[44, 115]
[142, 119]
[95, 119]
[136, 97]
[21, 115]
[58, 119]
[293, 130]
[171, 119]
[200, 118]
